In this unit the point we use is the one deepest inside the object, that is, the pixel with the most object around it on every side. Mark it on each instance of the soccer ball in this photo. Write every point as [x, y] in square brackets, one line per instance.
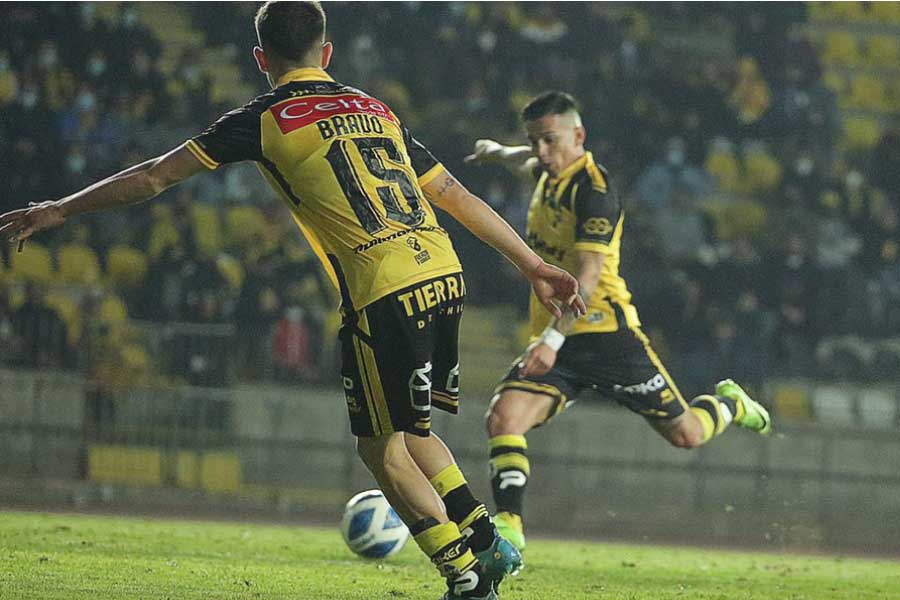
[371, 527]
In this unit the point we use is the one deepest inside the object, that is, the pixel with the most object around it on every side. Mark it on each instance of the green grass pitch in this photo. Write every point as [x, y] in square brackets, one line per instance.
[75, 557]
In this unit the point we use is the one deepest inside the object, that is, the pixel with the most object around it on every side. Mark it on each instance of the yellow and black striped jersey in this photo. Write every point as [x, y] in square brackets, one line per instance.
[579, 210]
[351, 175]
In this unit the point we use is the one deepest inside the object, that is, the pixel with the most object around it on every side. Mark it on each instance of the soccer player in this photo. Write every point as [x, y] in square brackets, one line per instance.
[356, 184]
[575, 221]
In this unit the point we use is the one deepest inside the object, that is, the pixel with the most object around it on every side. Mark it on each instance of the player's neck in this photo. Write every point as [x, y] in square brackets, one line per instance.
[577, 156]
[276, 74]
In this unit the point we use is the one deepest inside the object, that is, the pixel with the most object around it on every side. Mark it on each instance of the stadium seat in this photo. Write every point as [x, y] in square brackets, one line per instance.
[849, 12]
[34, 263]
[840, 49]
[835, 82]
[791, 402]
[125, 464]
[885, 12]
[78, 264]
[834, 405]
[244, 224]
[69, 311]
[112, 310]
[877, 408]
[723, 166]
[762, 172]
[868, 92]
[883, 51]
[126, 267]
[861, 133]
[231, 269]
[207, 228]
[163, 232]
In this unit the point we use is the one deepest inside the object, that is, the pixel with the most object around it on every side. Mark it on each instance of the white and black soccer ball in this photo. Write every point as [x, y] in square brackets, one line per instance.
[371, 527]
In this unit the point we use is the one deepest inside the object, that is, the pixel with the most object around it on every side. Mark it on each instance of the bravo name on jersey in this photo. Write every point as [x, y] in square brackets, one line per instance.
[351, 175]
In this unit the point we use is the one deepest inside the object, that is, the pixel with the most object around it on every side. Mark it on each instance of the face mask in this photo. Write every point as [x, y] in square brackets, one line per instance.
[47, 58]
[675, 157]
[96, 66]
[75, 163]
[28, 99]
[86, 101]
[804, 165]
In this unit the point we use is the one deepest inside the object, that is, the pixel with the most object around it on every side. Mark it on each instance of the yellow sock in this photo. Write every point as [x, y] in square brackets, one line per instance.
[445, 546]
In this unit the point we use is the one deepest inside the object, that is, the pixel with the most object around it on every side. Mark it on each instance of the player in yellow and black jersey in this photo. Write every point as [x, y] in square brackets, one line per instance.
[575, 221]
[358, 185]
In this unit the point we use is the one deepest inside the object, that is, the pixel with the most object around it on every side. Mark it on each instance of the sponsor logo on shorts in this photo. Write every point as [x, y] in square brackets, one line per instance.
[654, 384]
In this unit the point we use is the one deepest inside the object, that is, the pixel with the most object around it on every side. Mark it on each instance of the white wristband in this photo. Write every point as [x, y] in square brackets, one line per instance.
[553, 338]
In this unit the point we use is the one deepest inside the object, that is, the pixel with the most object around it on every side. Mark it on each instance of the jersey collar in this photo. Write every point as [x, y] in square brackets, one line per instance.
[304, 74]
[574, 167]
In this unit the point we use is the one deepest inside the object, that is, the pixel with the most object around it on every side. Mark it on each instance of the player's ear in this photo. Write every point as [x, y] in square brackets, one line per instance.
[580, 135]
[327, 51]
[261, 60]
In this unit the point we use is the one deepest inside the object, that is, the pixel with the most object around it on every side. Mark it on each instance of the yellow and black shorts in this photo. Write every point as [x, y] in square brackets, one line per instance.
[621, 366]
[400, 358]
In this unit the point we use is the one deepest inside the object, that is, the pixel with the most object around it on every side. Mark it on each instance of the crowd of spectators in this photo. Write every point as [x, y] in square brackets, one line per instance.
[750, 237]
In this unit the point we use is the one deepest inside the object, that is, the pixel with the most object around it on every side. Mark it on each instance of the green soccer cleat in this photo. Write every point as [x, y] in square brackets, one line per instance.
[502, 558]
[510, 527]
[755, 417]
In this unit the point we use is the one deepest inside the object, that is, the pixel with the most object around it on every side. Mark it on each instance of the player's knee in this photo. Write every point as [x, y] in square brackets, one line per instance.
[686, 438]
[501, 419]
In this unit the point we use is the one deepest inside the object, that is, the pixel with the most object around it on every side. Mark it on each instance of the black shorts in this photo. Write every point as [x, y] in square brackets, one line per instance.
[620, 365]
[400, 357]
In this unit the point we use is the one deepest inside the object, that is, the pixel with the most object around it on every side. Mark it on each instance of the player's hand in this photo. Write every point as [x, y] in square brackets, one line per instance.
[538, 360]
[554, 287]
[21, 224]
[486, 152]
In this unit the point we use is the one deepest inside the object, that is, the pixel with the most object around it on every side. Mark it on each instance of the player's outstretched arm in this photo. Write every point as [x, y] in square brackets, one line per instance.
[517, 159]
[551, 284]
[140, 182]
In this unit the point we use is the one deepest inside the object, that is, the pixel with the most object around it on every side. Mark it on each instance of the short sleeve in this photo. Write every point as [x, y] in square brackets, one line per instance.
[597, 215]
[235, 137]
[424, 163]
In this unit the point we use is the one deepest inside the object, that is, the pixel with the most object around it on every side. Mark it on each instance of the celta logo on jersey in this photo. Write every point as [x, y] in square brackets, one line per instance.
[300, 112]
[656, 383]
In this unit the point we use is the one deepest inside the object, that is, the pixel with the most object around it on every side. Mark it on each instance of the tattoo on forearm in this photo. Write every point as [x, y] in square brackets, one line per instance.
[448, 183]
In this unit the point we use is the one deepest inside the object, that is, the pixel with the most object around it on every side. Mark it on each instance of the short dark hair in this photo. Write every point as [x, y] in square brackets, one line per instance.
[549, 103]
[290, 29]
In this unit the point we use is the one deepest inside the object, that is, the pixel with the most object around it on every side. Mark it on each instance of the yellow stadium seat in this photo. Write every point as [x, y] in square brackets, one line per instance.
[762, 172]
[244, 224]
[112, 310]
[835, 82]
[723, 165]
[841, 49]
[885, 12]
[78, 264]
[861, 133]
[819, 11]
[207, 228]
[849, 12]
[34, 263]
[163, 232]
[868, 92]
[894, 95]
[69, 311]
[126, 266]
[231, 269]
[883, 51]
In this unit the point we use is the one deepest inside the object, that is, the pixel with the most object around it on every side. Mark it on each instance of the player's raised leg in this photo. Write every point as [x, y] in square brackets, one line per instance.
[513, 413]
[710, 415]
